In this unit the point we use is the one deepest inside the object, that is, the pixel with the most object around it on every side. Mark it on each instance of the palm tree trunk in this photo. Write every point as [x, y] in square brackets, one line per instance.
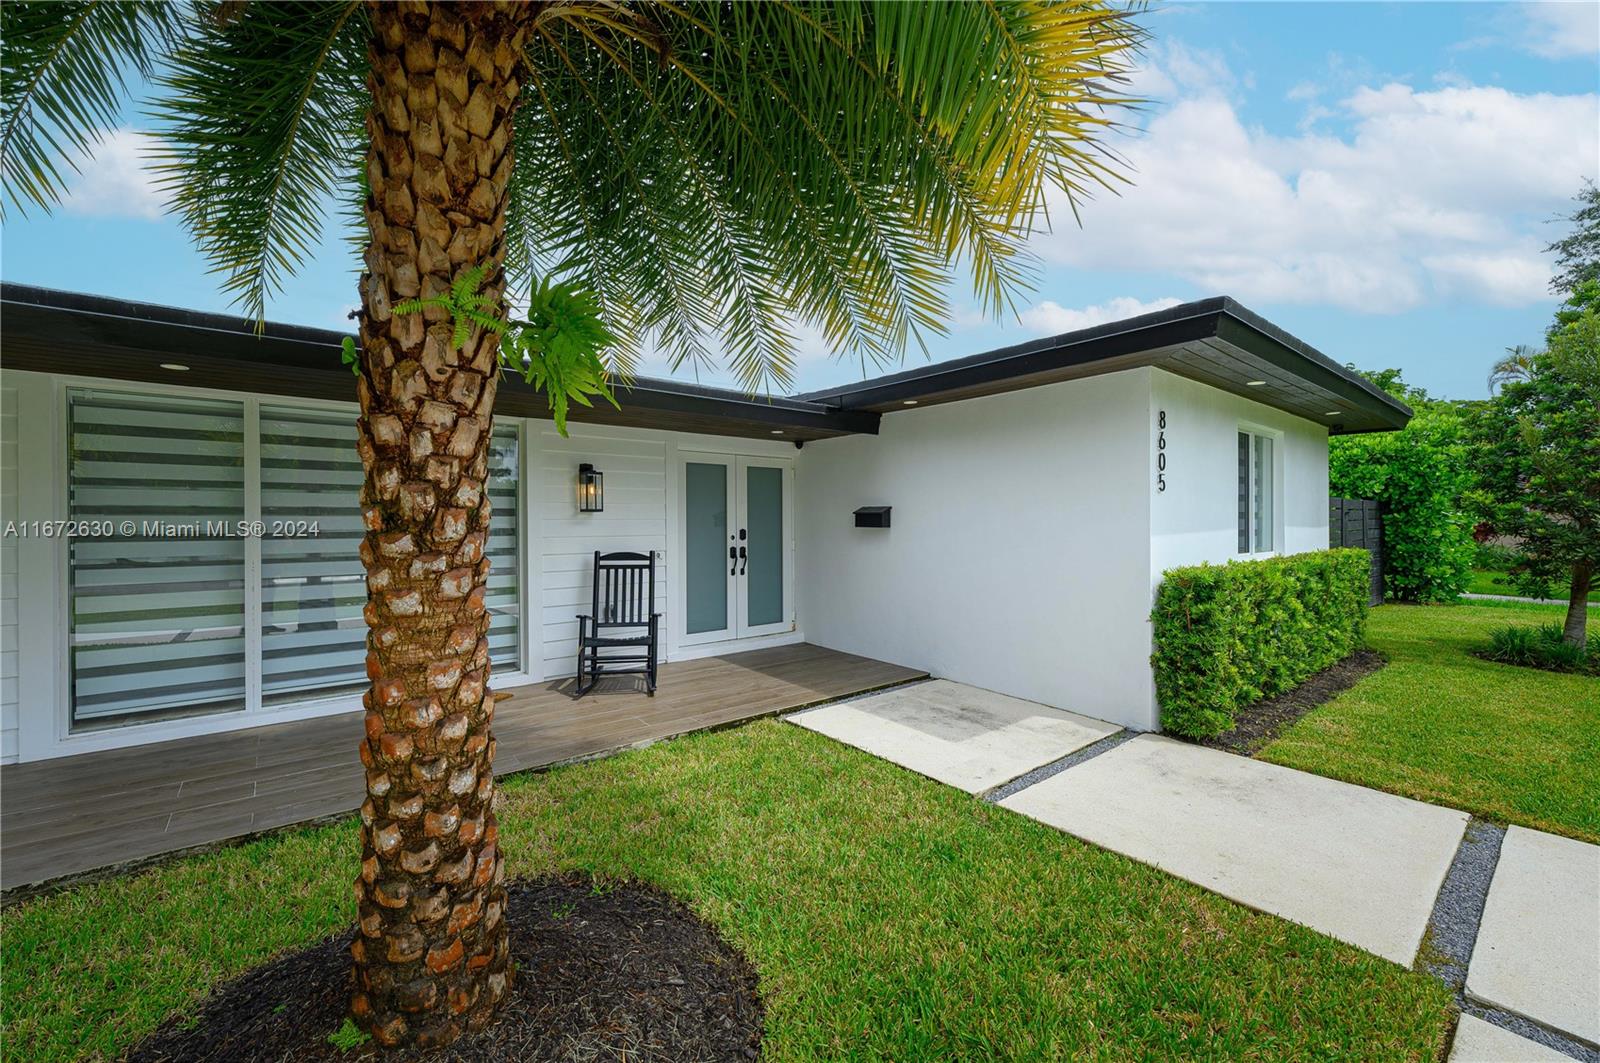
[1576, 630]
[431, 956]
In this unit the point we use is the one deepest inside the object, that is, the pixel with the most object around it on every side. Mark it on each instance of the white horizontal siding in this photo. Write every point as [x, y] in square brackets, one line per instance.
[635, 467]
[8, 576]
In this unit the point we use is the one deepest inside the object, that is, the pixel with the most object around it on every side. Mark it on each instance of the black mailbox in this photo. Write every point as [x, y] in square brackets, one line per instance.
[872, 517]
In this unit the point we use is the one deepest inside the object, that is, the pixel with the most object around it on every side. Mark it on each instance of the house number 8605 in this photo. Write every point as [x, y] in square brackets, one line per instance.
[1161, 450]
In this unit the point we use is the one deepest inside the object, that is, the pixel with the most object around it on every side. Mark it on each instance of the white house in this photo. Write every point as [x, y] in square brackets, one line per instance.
[1035, 495]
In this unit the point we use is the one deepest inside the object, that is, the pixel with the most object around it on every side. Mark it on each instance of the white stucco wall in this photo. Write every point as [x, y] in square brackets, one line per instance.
[1029, 535]
[1018, 557]
[8, 573]
[1196, 518]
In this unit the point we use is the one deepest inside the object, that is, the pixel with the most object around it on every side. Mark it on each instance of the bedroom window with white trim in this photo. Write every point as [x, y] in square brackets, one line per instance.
[184, 618]
[1256, 492]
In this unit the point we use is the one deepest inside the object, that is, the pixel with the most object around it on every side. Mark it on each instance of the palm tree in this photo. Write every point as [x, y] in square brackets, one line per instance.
[1516, 366]
[708, 172]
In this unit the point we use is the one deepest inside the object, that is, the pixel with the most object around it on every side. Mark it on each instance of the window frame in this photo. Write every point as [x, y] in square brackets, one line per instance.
[255, 711]
[1275, 523]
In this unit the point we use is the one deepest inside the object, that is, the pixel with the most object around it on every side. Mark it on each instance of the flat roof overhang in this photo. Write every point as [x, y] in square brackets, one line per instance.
[47, 330]
[1215, 341]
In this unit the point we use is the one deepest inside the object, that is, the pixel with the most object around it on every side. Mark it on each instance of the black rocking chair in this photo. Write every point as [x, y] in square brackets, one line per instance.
[624, 597]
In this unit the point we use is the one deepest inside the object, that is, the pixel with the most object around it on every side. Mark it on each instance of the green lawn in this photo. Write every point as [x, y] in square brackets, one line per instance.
[1516, 745]
[890, 918]
[1496, 581]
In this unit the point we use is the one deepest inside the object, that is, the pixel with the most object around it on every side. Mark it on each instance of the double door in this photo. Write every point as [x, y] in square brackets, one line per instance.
[737, 546]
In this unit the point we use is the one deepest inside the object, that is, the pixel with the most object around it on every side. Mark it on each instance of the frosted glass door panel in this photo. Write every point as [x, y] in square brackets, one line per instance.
[706, 541]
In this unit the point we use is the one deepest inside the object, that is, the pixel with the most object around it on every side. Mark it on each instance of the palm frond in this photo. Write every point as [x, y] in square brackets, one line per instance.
[262, 118]
[63, 80]
[1516, 366]
[719, 172]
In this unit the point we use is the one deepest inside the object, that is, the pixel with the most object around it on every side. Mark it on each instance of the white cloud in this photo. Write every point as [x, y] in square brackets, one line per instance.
[1173, 69]
[1565, 29]
[117, 180]
[1050, 318]
[1428, 195]
[1551, 29]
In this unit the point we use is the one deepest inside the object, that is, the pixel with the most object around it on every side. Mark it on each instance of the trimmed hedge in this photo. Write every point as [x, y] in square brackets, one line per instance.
[1229, 635]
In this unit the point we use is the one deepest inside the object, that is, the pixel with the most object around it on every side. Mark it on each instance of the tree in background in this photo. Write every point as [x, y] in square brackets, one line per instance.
[1573, 341]
[1418, 476]
[1578, 253]
[1535, 450]
[706, 173]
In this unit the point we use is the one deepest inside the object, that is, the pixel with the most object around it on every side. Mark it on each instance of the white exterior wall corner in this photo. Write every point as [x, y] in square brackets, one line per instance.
[1018, 557]
[1196, 518]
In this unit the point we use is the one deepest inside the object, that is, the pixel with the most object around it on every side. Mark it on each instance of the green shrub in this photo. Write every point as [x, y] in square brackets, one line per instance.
[1539, 647]
[1418, 475]
[1229, 635]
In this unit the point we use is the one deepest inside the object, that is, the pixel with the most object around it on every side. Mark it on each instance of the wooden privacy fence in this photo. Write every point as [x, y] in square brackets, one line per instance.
[1357, 522]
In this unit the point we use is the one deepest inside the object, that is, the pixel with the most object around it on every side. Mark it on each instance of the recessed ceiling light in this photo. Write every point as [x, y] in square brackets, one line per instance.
[777, 431]
[909, 402]
[1254, 383]
[176, 367]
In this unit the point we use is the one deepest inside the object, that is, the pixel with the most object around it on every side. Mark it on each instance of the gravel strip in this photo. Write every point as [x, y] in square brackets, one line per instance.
[1532, 1031]
[1056, 767]
[1453, 930]
[1453, 927]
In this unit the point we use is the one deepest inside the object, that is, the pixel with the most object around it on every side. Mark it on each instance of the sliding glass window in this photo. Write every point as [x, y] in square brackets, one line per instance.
[158, 619]
[155, 610]
[313, 636]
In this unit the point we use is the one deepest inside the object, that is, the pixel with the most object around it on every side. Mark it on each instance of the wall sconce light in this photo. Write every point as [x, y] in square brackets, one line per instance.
[591, 489]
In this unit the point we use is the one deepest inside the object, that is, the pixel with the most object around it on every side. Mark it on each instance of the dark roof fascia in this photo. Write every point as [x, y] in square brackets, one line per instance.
[834, 411]
[1248, 330]
[185, 333]
[1220, 318]
[1174, 325]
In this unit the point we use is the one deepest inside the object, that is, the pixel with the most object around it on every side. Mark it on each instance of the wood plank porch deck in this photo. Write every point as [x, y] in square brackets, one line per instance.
[76, 814]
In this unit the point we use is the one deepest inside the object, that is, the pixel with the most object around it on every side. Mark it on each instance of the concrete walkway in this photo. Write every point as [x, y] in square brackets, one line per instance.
[1538, 949]
[1482, 1042]
[1359, 865]
[961, 736]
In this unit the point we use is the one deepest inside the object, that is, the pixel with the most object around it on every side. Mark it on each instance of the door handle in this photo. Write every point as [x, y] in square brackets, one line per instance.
[733, 560]
[744, 561]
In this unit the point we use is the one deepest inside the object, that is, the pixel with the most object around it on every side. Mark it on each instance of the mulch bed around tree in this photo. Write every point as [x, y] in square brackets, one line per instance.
[619, 973]
[1260, 723]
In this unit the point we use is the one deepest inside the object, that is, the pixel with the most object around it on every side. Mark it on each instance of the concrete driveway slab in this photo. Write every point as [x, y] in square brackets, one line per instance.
[1356, 864]
[1538, 950]
[1481, 1042]
[962, 736]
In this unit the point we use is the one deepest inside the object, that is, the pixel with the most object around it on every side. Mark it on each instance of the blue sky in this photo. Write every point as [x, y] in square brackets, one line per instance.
[1375, 178]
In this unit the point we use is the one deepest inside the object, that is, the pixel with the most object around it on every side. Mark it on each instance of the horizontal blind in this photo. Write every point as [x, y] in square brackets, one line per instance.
[1244, 492]
[503, 599]
[313, 636]
[156, 616]
[156, 623]
[1263, 517]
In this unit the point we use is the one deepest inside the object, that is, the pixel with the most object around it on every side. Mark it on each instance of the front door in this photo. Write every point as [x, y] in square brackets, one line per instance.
[736, 547]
